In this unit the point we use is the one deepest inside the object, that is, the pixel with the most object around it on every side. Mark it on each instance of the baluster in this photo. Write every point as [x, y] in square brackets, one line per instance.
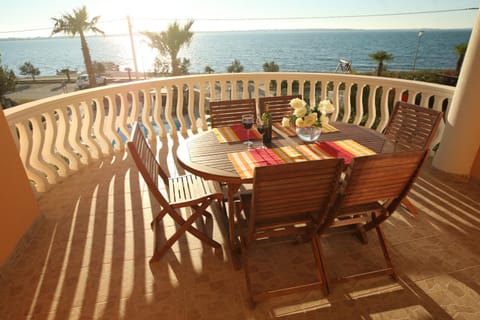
[146, 111]
[179, 111]
[62, 144]
[86, 130]
[346, 102]
[201, 106]
[98, 128]
[74, 135]
[122, 123]
[372, 108]
[191, 108]
[168, 111]
[157, 110]
[26, 146]
[111, 123]
[49, 152]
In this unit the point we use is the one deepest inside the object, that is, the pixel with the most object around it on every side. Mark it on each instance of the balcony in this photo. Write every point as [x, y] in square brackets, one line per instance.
[87, 254]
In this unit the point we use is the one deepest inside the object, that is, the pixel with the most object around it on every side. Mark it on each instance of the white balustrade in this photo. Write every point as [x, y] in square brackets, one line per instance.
[59, 135]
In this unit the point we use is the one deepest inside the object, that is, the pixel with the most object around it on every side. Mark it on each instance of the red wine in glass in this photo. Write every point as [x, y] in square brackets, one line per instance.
[247, 121]
[261, 129]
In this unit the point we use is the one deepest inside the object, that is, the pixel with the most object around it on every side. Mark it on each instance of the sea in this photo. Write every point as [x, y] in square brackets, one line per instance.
[291, 50]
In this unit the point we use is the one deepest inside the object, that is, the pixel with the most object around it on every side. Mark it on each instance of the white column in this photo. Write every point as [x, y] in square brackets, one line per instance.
[461, 138]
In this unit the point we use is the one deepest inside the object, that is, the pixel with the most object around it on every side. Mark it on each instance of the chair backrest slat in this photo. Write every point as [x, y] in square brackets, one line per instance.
[280, 191]
[225, 113]
[279, 106]
[412, 126]
[380, 177]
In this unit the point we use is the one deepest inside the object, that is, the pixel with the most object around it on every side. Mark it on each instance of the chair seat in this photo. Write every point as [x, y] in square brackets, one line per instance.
[189, 187]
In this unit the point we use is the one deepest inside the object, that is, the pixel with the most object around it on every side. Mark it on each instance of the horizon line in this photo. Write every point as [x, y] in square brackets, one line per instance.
[250, 30]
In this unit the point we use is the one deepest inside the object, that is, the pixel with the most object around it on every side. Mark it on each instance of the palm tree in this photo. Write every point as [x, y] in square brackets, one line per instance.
[271, 67]
[379, 57]
[66, 71]
[78, 23]
[209, 70]
[170, 42]
[236, 66]
[460, 50]
[29, 69]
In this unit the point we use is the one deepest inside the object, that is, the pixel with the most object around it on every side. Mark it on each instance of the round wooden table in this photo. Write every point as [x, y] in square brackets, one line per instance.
[203, 155]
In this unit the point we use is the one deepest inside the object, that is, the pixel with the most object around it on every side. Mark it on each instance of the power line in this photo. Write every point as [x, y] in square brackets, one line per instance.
[325, 17]
[50, 28]
[27, 30]
[406, 13]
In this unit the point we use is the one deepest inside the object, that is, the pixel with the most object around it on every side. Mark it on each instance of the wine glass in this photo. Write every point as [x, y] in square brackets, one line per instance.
[261, 129]
[247, 121]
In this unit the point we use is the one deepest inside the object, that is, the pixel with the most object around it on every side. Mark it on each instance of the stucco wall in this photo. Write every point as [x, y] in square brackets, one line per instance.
[18, 207]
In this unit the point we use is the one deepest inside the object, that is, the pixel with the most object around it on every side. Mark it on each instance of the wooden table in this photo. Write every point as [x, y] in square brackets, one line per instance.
[205, 156]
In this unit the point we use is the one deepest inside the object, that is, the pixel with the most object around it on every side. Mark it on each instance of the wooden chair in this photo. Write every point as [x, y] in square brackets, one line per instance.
[372, 189]
[412, 127]
[279, 106]
[188, 191]
[225, 113]
[286, 200]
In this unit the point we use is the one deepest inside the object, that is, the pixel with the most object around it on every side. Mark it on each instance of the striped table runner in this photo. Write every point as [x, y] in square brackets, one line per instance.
[235, 133]
[246, 161]
[346, 149]
[290, 131]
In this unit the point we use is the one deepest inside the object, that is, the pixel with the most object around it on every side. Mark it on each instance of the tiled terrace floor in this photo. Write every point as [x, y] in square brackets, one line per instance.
[89, 258]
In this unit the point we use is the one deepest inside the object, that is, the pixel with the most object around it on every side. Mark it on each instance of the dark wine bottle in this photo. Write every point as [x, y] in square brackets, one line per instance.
[267, 124]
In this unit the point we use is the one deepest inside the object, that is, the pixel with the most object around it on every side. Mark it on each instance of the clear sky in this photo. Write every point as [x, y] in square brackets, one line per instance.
[214, 15]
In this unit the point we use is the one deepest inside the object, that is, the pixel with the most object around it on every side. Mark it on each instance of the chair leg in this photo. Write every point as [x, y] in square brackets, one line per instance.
[409, 206]
[317, 252]
[246, 271]
[185, 225]
[156, 255]
[386, 254]
[220, 203]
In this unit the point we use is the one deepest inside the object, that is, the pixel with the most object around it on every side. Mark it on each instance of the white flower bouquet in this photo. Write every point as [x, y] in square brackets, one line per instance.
[305, 116]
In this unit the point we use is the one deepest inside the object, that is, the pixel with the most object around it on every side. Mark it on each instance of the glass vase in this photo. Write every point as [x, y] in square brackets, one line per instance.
[308, 134]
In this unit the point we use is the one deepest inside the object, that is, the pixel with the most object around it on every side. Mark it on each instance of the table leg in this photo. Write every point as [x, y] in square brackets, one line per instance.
[233, 240]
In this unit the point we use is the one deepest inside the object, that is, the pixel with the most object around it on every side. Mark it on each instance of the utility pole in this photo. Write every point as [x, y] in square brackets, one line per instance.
[133, 47]
[420, 34]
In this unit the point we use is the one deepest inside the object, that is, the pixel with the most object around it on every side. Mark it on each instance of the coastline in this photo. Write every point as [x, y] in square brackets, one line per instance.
[46, 86]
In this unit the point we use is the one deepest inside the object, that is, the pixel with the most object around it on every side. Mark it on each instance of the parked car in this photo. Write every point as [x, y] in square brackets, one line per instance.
[82, 81]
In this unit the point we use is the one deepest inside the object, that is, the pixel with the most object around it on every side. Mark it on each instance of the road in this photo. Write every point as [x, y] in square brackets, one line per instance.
[24, 91]
[51, 86]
